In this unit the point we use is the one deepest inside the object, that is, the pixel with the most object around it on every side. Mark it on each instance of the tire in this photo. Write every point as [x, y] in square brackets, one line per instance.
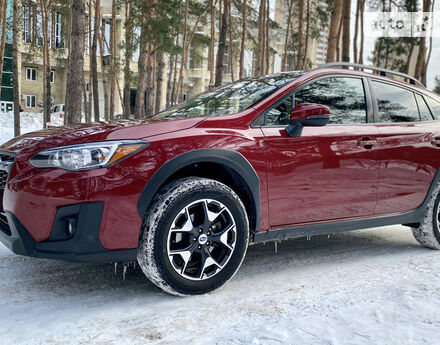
[194, 237]
[428, 232]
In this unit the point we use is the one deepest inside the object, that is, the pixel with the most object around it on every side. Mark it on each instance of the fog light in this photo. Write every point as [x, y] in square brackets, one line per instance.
[71, 224]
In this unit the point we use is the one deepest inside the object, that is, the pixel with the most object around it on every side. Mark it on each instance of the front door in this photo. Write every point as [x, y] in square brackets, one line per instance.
[328, 172]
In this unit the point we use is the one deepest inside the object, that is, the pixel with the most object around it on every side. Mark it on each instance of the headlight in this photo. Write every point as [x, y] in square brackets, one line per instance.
[86, 156]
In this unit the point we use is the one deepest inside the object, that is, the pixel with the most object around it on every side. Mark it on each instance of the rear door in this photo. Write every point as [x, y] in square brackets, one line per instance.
[328, 172]
[409, 147]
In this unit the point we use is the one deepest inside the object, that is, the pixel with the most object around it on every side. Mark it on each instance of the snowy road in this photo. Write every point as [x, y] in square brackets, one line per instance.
[366, 287]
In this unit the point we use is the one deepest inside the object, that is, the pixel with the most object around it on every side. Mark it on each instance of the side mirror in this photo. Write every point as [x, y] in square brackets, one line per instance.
[307, 115]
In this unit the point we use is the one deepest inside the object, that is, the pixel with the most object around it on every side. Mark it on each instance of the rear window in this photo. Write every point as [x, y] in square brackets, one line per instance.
[434, 105]
[425, 114]
[395, 104]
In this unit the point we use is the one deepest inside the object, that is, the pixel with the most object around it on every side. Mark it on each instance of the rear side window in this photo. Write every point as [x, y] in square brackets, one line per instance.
[395, 104]
[434, 105]
[425, 114]
[344, 96]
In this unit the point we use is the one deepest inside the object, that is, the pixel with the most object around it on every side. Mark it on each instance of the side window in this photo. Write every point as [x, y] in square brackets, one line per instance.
[395, 104]
[425, 114]
[344, 96]
[279, 115]
[434, 105]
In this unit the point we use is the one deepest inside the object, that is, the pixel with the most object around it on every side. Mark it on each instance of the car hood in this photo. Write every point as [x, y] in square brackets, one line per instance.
[102, 131]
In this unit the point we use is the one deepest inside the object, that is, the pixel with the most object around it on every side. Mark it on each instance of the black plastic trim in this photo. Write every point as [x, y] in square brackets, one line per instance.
[412, 217]
[231, 159]
[84, 246]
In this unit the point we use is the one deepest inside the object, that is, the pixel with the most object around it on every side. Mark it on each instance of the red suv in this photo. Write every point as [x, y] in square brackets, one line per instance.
[264, 159]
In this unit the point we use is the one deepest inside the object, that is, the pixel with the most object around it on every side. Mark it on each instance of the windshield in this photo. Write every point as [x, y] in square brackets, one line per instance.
[230, 99]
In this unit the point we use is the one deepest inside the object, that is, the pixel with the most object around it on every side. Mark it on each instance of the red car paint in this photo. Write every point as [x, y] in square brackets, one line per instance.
[328, 173]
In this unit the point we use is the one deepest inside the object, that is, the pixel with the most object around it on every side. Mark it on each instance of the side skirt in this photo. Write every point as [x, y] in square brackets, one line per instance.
[333, 227]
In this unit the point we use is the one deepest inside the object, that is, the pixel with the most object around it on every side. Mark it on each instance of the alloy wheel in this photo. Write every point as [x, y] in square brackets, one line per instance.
[201, 239]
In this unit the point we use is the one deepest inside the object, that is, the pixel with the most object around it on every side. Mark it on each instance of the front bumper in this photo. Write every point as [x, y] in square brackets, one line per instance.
[82, 245]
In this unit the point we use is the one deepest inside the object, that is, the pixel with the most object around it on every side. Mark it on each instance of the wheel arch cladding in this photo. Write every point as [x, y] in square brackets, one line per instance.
[230, 160]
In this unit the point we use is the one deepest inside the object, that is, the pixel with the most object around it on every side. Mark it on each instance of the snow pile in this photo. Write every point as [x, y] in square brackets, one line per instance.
[29, 122]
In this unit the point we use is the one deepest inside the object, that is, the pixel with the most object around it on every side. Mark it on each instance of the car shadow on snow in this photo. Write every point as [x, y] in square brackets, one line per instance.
[63, 278]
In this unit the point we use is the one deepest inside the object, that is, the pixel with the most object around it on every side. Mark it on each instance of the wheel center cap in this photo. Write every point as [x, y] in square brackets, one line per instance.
[203, 239]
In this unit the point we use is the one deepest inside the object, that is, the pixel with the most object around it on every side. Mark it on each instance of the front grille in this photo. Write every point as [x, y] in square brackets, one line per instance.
[3, 178]
[6, 162]
[4, 225]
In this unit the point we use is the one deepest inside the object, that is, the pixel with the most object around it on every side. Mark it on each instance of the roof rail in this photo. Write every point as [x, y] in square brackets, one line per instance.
[383, 72]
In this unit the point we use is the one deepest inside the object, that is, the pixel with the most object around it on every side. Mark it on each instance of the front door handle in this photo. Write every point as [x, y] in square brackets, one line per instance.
[367, 143]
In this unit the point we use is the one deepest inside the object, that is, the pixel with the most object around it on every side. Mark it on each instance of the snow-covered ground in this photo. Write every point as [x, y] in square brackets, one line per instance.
[366, 287]
[29, 122]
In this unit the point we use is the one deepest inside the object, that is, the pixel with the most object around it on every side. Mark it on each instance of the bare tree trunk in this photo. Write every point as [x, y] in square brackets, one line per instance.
[94, 67]
[89, 104]
[3, 10]
[243, 38]
[75, 79]
[47, 101]
[259, 67]
[300, 35]
[428, 58]
[85, 102]
[169, 81]
[104, 76]
[211, 45]
[173, 90]
[306, 45]
[338, 45]
[356, 32]
[159, 81]
[333, 30]
[286, 40]
[421, 59]
[408, 59]
[184, 51]
[266, 41]
[149, 99]
[346, 32]
[142, 82]
[114, 67]
[231, 42]
[128, 57]
[15, 75]
[221, 45]
[361, 50]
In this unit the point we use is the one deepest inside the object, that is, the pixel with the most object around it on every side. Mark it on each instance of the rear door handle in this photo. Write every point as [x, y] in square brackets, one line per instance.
[436, 142]
[368, 143]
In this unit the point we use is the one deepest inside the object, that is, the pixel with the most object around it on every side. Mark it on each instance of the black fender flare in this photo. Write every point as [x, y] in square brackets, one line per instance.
[230, 159]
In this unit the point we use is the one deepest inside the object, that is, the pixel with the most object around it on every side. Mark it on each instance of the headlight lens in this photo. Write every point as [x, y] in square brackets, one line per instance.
[86, 156]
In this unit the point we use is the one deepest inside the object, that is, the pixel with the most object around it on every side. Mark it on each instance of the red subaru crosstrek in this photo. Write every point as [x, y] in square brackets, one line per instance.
[263, 159]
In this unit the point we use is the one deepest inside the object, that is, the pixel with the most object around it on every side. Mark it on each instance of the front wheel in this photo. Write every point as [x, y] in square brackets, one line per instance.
[194, 237]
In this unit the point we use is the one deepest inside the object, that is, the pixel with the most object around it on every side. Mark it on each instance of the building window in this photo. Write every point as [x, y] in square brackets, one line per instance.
[27, 24]
[31, 101]
[59, 42]
[52, 76]
[194, 60]
[31, 74]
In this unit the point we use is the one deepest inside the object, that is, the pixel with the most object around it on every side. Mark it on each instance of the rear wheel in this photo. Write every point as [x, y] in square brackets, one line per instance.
[428, 232]
[194, 237]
